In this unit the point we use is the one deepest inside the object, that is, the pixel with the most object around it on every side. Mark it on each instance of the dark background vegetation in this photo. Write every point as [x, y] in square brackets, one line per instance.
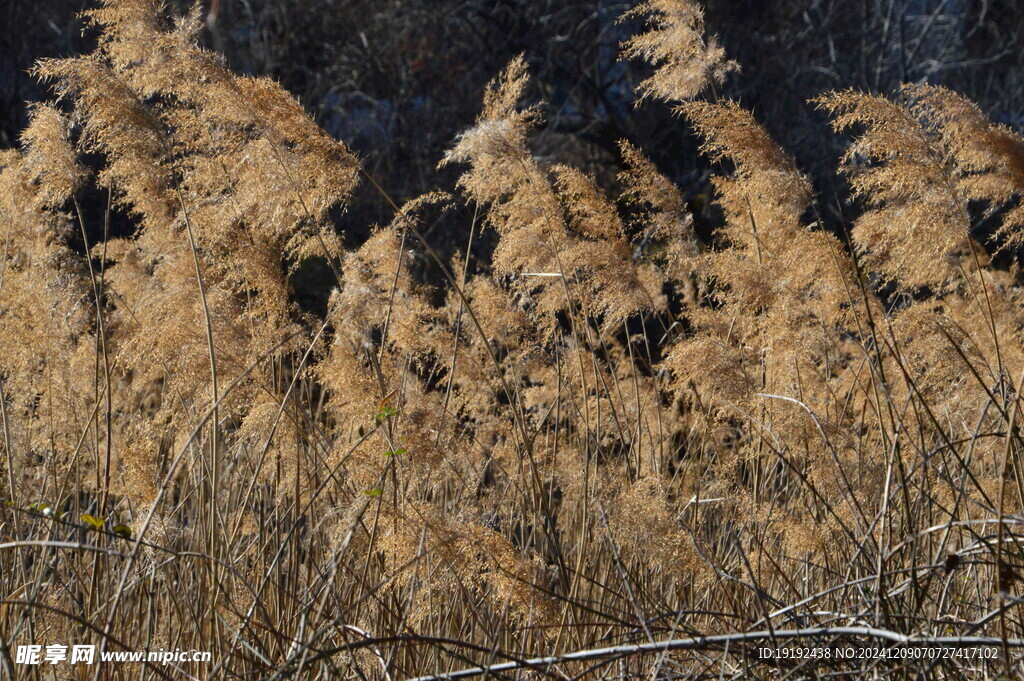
[398, 79]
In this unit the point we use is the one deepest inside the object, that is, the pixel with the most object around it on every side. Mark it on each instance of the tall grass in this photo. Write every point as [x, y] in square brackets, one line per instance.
[593, 444]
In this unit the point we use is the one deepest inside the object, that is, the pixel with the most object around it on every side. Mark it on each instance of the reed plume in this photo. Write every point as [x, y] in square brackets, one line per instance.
[576, 417]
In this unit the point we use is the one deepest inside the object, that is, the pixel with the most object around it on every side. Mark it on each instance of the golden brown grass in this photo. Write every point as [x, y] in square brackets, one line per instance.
[603, 434]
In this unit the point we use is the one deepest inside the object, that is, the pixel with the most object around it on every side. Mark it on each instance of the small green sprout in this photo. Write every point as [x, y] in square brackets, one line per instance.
[123, 531]
[93, 522]
[386, 412]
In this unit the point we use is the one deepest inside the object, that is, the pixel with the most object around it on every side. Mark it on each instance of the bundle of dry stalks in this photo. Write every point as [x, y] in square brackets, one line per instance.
[593, 430]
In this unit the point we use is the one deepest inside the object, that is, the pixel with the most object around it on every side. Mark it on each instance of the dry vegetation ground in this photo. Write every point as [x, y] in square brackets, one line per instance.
[594, 444]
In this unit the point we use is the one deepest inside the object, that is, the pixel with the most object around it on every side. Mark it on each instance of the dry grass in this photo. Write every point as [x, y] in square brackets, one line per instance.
[599, 448]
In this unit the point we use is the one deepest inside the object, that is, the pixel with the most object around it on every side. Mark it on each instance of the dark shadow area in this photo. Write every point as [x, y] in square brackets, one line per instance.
[397, 80]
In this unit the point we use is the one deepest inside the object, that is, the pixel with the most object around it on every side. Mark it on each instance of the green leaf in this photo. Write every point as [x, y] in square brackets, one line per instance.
[396, 452]
[123, 531]
[375, 492]
[385, 412]
[93, 522]
[41, 507]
